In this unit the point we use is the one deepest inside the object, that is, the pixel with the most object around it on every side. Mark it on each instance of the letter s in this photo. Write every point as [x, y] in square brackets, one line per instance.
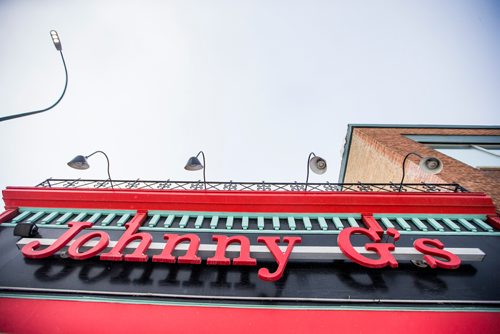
[422, 245]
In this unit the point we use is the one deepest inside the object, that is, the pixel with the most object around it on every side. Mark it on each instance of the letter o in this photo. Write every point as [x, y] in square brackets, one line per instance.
[103, 242]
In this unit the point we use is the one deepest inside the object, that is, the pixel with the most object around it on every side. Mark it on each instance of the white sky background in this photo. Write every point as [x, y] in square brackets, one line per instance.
[256, 84]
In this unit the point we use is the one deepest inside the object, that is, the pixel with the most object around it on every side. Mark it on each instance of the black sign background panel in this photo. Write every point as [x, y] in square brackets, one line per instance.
[335, 281]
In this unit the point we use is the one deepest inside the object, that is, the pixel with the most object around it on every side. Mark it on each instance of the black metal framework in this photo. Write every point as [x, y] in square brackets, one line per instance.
[252, 186]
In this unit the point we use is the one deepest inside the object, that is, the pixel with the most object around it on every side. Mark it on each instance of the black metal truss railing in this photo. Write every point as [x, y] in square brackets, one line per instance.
[253, 186]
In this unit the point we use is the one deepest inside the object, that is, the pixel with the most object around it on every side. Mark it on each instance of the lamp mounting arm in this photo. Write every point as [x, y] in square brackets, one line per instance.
[403, 166]
[107, 159]
[204, 168]
[6, 118]
[311, 155]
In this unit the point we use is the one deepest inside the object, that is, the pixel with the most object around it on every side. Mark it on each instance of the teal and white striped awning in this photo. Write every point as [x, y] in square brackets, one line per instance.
[237, 222]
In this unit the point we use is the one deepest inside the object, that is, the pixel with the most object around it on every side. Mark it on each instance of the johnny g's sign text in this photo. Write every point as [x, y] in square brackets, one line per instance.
[138, 246]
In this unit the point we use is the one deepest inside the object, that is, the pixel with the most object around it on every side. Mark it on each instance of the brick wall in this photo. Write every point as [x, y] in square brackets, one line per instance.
[492, 172]
[376, 155]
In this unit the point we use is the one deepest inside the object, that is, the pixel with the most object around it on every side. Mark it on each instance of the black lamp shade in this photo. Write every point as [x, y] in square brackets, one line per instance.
[193, 164]
[79, 162]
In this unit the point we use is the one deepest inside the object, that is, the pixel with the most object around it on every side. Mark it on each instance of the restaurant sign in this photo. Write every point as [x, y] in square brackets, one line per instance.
[187, 249]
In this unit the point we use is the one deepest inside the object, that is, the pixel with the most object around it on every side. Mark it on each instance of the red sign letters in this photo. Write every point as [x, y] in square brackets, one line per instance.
[432, 249]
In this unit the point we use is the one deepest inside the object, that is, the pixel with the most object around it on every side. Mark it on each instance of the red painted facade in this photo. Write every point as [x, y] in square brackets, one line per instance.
[49, 316]
[43, 316]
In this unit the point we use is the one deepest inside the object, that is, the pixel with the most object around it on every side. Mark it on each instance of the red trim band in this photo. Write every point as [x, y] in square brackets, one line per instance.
[243, 201]
[50, 316]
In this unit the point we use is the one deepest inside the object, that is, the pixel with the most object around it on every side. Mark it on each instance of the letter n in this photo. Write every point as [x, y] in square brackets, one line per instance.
[127, 237]
[172, 241]
[220, 253]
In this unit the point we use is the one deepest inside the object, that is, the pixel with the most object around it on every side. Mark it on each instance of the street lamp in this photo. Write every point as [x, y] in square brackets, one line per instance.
[80, 162]
[430, 165]
[316, 164]
[194, 163]
[56, 40]
[57, 43]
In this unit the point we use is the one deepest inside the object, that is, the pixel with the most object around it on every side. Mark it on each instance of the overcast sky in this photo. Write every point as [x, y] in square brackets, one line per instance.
[257, 85]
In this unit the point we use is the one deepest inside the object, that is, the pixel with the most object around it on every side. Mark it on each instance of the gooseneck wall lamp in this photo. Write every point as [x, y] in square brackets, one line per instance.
[194, 163]
[316, 164]
[80, 162]
[57, 43]
[430, 165]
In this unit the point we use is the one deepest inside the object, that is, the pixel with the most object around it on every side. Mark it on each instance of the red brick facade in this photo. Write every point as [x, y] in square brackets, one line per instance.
[376, 155]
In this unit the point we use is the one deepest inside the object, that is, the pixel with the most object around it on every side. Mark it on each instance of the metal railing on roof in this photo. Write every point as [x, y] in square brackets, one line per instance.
[252, 186]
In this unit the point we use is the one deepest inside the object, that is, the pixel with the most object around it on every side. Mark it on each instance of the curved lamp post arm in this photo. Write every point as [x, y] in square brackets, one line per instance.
[403, 166]
[204, 167]
[107, 159]
[308, 159]
[6, 118]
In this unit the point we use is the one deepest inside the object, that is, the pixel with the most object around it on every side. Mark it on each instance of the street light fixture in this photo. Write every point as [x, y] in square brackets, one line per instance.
[57, 43]
[316, 164]
[56, 40]
[80, 162]
[430, 165]
[194, 163]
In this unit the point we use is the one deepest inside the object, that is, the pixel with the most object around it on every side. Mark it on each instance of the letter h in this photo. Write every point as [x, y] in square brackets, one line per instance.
[127, 237]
